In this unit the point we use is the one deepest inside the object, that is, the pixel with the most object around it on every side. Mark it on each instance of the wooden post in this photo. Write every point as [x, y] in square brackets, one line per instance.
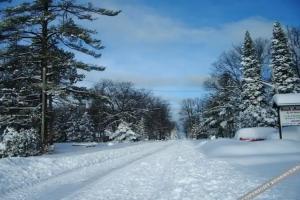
[279, 121]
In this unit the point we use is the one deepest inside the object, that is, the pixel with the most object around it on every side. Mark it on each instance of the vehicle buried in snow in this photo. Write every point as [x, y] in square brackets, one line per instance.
[256, 134]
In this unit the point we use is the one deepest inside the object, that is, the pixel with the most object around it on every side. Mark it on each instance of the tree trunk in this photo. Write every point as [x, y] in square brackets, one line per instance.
[44, 65]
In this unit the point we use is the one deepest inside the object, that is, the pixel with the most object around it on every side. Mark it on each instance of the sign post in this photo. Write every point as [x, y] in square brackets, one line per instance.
[288, 108]
[290, 115]
[279, 122]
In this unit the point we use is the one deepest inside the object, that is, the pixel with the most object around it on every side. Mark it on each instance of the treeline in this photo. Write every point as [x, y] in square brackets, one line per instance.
[242, 85]
[38, 67]
[40, 102]
[114, 107]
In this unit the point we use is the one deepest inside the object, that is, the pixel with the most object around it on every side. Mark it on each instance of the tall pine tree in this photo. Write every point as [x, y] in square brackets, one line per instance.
[48, 28]
[283, 77]
[254, 109]
[19, 96]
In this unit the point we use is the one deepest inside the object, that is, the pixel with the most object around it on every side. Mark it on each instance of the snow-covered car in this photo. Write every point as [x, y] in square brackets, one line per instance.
[256, 133]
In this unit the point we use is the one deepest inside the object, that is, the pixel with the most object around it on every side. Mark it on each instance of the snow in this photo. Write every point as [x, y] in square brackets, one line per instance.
[262, 160]
[2, 146]
[230, 147]
[21, 143]
[176, 169]
[257, 133]
[29, 172]
[288, 133]
[123, 133]
[291, 133]
[85, 144]
[287, 99]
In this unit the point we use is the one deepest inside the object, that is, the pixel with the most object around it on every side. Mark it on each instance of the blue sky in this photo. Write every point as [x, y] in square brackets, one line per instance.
[169, 45]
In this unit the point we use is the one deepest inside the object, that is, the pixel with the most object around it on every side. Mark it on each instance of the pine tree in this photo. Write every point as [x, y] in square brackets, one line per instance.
[19, 95]
[284, 78]
[252, 109]
[87, 128]
[229, 105]
[251, 86]
[47, 28]
[174, 134]
[19, 143]
[140, 128]
[81, 129]
[124, 133]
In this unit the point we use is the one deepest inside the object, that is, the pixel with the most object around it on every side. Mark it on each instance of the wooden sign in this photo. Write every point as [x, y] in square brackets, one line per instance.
[290, 116]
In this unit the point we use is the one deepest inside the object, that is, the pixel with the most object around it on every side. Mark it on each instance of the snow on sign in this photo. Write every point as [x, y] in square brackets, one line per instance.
[288, 106]
[290, 116]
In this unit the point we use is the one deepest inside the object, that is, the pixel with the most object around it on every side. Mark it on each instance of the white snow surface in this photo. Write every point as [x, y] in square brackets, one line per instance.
[2, 146]
[178, 169]
[257, 133]
[287, 99]
[291, 133]
[263, 160]
[288, 133]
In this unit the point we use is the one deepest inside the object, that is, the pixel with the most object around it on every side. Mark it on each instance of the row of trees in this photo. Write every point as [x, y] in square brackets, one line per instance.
[115, 107]
[243, 83]
[39, 72]
[37, 62]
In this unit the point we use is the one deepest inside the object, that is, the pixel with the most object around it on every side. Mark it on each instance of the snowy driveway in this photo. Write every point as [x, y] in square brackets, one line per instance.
[157, 170]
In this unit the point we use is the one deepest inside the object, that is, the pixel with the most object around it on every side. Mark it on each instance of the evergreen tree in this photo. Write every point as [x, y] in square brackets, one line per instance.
[174, 134]
[293, 35]
[220, 111]
[229, 100]
[251, 86]
[254, 112]
[19, 94]
[140, 128]
[81, 129]
[47, 28]
[124, 133]
[19, 143]
[284, 77]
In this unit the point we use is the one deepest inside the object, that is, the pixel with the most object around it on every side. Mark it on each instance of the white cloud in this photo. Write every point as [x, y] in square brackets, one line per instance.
[140, 29]
[142, 80]
[138, 24]
[153, 50]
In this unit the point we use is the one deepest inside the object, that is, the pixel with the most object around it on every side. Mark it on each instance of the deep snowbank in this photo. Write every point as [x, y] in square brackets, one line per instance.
[291, 133]
[230, 147]
[261, 159]
[257, 133]
[288, 133]
[252, 153]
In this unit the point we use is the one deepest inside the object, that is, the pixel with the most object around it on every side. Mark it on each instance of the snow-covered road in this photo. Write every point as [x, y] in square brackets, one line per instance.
[156, 170]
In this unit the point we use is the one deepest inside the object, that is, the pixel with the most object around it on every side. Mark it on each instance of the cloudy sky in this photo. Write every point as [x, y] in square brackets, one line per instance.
[168, 46]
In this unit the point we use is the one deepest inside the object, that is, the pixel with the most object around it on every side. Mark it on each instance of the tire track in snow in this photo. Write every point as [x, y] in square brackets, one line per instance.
[169, 171]
[79, 177]
[194, 176]
[32, 179]
[136, 181]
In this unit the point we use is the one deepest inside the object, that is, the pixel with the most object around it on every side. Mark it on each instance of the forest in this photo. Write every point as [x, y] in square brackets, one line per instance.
[40, 101]
[242, 84]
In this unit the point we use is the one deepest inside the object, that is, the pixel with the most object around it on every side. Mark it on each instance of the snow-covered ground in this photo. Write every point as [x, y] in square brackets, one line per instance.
[182, 169]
